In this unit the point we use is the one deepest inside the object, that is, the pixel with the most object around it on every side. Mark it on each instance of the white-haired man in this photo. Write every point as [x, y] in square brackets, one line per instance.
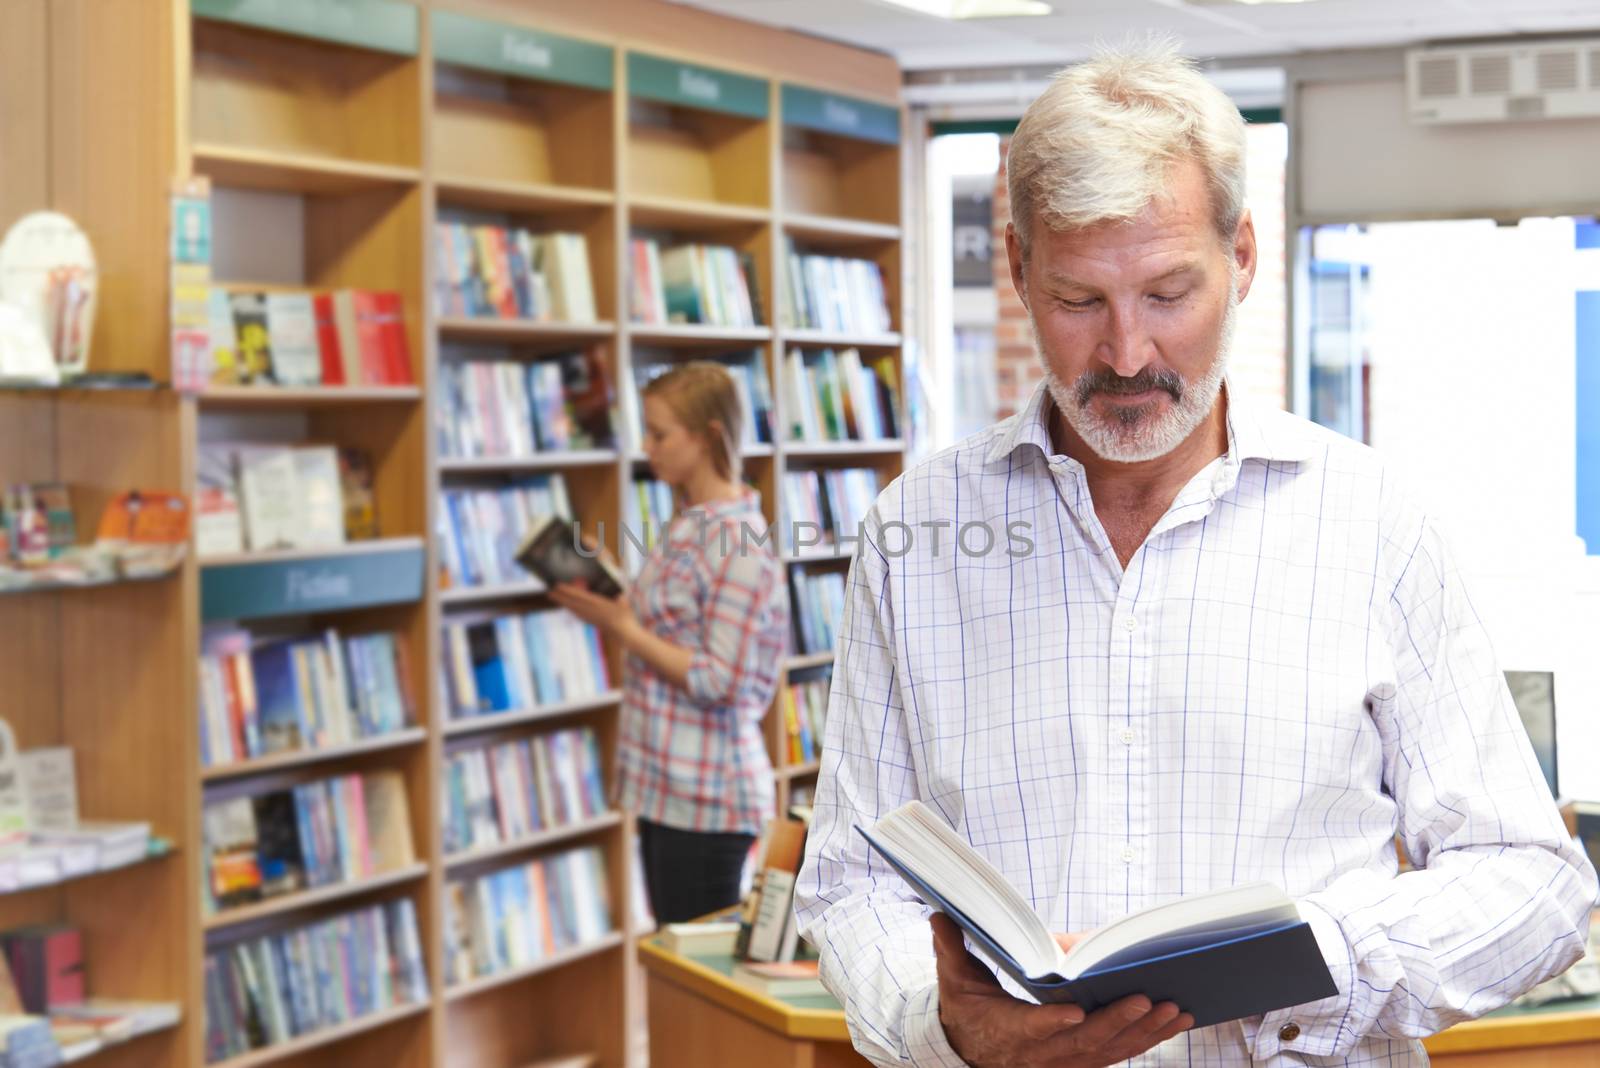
[1199, 644]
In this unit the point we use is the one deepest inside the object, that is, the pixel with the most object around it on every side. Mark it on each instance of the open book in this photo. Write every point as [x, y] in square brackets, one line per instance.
[1220, 955]
[548, 551]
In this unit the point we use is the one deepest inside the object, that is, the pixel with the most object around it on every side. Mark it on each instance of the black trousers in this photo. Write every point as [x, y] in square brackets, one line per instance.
[690, 873]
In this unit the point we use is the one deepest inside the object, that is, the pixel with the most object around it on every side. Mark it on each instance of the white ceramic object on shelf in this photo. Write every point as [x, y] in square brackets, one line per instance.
[47, 271]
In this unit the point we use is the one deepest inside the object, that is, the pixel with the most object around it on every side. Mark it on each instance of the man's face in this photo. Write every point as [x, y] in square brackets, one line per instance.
[1133, 320]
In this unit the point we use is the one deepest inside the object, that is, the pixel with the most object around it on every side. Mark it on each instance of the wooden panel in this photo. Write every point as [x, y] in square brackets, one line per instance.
[505, 129]
[839, 176]
[112, 166]
[1580, 1055]
[664, 28]
[372, 240]
[577, 1009]
[687, 1031]
[263, 90]
[24, 112]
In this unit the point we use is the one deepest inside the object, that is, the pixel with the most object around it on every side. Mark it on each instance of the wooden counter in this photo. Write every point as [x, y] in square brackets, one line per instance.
[700, 1016]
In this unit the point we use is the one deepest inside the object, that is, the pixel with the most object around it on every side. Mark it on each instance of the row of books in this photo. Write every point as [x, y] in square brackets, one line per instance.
[505, 792]
[817, 598]
[804, 707]
[510, 273]
[826, 507]
[515, 663]
[749, 374]
[319, 833]
[838, 396]
[480, 529]
[506, 408]
[262, 497]
[517, 917]
[833, 293]
[347, 337]
[711, 285]
[259, 698]
[646, 512]
[269, 990]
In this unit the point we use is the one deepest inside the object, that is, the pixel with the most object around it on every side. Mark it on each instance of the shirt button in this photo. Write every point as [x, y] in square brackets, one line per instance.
[1129, 624]
[1289, 1032]
[1128, 735]
[1127, 858]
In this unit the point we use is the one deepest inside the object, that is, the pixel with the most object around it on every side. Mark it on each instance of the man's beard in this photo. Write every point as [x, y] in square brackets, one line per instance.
[1135, 433]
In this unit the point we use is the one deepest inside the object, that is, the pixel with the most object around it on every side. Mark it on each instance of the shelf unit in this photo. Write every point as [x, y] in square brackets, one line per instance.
[334, 135]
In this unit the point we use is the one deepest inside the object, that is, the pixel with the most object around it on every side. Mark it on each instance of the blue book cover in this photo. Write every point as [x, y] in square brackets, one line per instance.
[1240, 973]
[277, 697]
[489, 668]
[536, 633]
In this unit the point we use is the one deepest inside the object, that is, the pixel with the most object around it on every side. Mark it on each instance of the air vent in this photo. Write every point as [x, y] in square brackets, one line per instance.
[1556, 72]
[1439, 77]
[1508, 82]
[1489, 75]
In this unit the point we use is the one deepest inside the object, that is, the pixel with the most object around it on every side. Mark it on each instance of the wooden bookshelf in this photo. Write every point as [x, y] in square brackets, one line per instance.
[332, 148]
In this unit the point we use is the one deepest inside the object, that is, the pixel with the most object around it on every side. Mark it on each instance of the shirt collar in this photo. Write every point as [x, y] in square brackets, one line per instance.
[748, 501]
[1255, 432]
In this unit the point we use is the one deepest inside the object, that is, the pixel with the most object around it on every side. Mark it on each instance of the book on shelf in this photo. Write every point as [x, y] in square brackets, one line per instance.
[816, 604]
[504, 792]
[518, 916]
[837, 396]
[549, 551]
[781, 979]
[827, 507]
[321, 833]
[501, 272]
[519, 662]
[804, 707]
[1219, 955]
[749, 373]
[266, 991]
[709, 285]
[262, 697]
[481, 529]
[646, 511]
[263, 497]
[708, 939]
[834, 293]
[349, 337]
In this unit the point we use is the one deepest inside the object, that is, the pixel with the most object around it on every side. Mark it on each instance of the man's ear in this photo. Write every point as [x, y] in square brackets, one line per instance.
[1019, 281]
[1244, 252]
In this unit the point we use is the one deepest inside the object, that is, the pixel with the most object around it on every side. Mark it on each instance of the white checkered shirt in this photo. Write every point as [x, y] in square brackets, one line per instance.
[1287, 673]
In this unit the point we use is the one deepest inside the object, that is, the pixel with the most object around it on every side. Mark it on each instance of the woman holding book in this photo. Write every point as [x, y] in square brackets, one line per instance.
[704, 627]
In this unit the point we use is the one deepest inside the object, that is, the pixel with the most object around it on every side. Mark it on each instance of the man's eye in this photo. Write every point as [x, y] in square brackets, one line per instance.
[1166, 298]
[1080, 305]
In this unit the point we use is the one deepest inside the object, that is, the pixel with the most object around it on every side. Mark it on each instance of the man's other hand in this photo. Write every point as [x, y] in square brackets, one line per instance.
[989, 1028]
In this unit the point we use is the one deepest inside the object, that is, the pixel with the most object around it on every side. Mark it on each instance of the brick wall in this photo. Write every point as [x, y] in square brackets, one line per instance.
[1259, 366]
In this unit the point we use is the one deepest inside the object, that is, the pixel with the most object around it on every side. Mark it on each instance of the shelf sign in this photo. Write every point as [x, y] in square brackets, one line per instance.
[689, 85]
[831, 113]
[258, 590]
[381, 25]
[497, 46]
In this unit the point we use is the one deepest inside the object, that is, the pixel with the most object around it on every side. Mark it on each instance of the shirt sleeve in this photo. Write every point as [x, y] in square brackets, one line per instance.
[873, 933]
[1500, 896]
[740, 585]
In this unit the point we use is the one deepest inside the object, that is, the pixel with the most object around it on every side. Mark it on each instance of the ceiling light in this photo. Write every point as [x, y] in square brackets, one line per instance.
[975, 9]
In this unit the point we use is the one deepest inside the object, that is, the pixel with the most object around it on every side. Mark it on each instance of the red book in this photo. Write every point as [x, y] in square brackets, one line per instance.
[396, 347]
[369, 334]
[47, 962]
[328, 340]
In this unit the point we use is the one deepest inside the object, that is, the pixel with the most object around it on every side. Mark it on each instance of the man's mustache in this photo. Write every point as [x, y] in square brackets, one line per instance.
[1092, 382]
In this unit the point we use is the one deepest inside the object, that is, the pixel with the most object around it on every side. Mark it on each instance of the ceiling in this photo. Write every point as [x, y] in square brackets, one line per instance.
[1204, 28]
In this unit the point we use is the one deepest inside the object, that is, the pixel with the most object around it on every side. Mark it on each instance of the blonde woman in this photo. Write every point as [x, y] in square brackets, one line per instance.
[704, 627]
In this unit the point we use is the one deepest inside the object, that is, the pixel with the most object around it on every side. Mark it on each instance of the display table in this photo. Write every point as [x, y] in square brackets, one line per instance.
[700, 1016]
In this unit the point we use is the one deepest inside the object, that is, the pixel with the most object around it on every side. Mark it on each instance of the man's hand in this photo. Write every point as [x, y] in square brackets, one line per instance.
[989, 1028]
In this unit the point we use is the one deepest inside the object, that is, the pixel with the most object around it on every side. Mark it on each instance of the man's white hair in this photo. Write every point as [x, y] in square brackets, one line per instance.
[1097, 144]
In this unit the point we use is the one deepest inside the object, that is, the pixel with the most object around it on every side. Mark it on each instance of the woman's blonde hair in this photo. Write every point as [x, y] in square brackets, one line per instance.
[703, 397]
[1097, 144]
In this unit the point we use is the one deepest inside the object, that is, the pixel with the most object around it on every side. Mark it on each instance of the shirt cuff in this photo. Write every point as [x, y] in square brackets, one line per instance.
[1312, 1029]
[706, 679]
[926, 1042]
